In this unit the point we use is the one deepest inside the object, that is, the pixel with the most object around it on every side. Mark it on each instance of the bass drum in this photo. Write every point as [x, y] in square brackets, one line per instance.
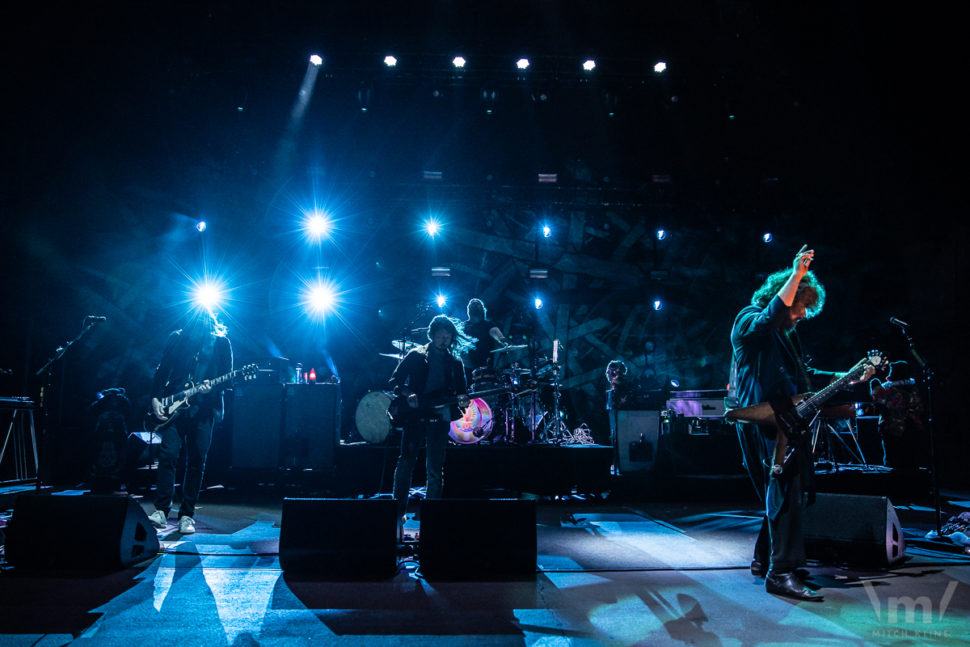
[474, 425]
[373, 422]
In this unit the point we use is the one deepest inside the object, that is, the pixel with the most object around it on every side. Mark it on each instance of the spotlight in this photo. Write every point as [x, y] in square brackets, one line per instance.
[390, 61]
[317, 60]
[432, 227]
[458, 62]
[589, 65]
[538, 303]
[767, 238]
[658, 304]
[317, 225]
[660, 67]
[208, 295]
[440, 271]
[441, 300]
[661, 234]
[546, 231]
[320, 298]
[200, 226]
[522, 64]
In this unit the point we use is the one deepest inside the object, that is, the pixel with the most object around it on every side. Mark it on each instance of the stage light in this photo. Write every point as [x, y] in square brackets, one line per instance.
[320, 298]
[317, 225]
[661, 234]
[200, 226]
[208, 295]
[660, 67]
[458, 62]
[440, 270]
[390, 61]
[537, 303]
[441, 300]
[432, 227]
[658, 304]
[522, 64]
[546, 231]
[316, 59]
[767, 238]
[589, 65]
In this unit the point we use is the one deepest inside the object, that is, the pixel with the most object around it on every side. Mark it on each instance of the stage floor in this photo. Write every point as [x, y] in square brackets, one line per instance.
[638, 573]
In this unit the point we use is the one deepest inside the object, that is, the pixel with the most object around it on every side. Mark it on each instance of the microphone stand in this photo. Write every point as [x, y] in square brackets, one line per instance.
[928, 382]
[48, 368]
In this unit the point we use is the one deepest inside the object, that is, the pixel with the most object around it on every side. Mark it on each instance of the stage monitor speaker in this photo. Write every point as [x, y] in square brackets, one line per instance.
[43, 533]
[477, 539]
[257, 425]
[853, 529]
[341, 538]
[637, 435]
[311, 418]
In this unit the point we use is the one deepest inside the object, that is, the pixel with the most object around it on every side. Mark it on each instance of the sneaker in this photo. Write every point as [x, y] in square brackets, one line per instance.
[186, 525]
[158, 518]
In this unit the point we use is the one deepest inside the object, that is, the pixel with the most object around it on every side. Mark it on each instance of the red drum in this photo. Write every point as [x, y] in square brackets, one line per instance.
[474, 425]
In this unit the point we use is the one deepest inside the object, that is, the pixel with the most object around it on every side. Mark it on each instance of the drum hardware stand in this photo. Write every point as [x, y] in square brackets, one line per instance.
[823, 427]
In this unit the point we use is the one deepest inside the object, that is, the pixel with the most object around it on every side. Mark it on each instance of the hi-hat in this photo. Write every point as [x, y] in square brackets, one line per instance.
[508, 349]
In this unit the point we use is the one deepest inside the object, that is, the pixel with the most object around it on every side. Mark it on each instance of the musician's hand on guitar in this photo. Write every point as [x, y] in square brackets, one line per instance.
[158, 410]
[205, 387]
[412, 399]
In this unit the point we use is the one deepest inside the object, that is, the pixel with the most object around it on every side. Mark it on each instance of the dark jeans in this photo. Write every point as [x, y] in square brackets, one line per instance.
[196, 430]
[780, 542]
[434, 436]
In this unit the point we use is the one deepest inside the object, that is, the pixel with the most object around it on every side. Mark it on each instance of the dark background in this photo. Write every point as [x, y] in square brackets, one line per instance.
[830, 124]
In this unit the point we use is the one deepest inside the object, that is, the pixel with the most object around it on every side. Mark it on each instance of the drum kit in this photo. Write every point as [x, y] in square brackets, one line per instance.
[509, 405]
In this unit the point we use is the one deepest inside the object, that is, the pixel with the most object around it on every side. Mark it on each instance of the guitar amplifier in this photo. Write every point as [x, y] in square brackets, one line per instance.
[311, 425]
[637, 438]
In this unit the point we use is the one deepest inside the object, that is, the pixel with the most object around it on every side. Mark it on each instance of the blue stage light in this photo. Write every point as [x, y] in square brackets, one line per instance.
[200, 226]
[767, 238]
[658, 304]
[660, 67]
[316, 60]
[432, 227]
[459, 62]
[522, 64]
[318, 225]
[589, 65]
[661, 234]
[537, 303]
[208, 294]
[390, 61]
[546, 231]
[320, 298]
[441, 300]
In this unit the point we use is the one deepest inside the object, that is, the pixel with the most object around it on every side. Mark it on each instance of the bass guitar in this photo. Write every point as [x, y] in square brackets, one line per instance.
[796, 415]
[172, 404]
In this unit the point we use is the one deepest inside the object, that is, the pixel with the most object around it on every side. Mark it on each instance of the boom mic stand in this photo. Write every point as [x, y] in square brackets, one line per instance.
[928, 383]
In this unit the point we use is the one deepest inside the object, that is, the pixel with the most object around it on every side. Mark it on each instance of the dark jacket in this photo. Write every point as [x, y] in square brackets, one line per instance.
[412, 373]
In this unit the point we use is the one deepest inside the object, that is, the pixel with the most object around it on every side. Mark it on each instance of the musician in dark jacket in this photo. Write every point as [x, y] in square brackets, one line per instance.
[193, 355]
[430, 385]
[768, 367]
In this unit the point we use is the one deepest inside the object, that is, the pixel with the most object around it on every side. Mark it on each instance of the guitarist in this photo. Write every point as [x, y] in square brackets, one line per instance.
[430, 385]
[768, 366]
[192, 355]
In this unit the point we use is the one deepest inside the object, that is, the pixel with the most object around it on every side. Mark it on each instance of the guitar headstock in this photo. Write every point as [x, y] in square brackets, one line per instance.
[877, 360]
[249, 371]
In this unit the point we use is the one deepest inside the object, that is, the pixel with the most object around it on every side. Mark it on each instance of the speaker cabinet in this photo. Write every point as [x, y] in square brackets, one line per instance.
[42, 533]
[637, 435]
[853, 529]
[310, 425]
[476, 539]
[257, 425]
[342, 538]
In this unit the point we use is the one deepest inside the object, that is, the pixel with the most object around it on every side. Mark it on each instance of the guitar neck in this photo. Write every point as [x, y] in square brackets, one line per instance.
[188, 393]
[816, 400]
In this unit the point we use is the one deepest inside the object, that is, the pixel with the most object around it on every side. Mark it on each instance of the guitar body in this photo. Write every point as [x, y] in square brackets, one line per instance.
[762, 413]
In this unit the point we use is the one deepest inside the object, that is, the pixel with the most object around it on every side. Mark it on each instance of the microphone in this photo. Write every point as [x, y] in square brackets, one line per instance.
[95, 318]
[896, 322]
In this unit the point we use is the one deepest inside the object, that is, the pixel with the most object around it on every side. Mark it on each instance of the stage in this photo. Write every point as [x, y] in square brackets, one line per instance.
[640, 573]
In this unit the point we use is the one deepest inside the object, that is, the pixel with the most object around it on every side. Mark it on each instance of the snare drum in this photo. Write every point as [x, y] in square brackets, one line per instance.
[373, 423]
[475, 425]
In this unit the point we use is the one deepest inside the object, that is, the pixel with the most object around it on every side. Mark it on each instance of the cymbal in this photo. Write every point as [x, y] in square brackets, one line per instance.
[392, 355]
[507, 349]
[405, 346]
[517, 371]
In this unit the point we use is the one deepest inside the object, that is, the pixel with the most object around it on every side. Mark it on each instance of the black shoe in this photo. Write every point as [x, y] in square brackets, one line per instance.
[758, 568]
[788, 585]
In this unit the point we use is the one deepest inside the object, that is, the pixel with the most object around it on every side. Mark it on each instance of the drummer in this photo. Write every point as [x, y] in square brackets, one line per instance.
[487, 337]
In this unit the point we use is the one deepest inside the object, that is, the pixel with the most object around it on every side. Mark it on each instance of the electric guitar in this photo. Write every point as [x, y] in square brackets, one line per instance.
[172, 404]
[795, 416]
